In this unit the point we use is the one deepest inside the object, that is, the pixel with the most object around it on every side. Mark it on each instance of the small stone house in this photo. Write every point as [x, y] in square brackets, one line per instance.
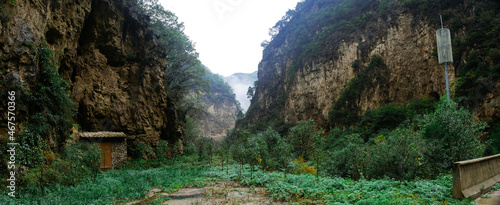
[113, 146]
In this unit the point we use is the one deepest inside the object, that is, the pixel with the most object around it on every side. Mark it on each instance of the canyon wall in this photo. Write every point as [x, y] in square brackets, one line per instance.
[220, 115]
[102, 49]
[299, 91]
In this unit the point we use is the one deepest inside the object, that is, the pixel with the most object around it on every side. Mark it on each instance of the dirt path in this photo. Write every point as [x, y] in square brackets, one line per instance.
[225, 192]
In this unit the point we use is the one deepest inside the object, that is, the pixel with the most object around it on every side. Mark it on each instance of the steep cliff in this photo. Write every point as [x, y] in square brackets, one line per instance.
[109, 54]
[221, 108]
[319, 47]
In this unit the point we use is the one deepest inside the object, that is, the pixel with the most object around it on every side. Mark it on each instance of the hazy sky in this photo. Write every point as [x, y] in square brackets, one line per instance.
[228, 33]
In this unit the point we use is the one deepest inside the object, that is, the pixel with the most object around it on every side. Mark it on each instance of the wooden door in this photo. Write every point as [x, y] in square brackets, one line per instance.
[105, 154]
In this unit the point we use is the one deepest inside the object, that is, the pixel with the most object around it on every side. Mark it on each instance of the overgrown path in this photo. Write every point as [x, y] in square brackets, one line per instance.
[221, 192]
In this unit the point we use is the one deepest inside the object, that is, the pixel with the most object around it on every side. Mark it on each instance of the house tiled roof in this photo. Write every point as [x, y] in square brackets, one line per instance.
[100, 134]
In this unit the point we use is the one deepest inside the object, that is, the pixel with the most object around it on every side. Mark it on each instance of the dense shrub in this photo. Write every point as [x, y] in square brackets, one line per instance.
[274, 143]
[142, 151]
[384, 117]
[77, 163]
[398, 155]
[162, 150]
[451, 135]
[424, 146]
[84, 155]
[50, 112]
[348, 158]
[494, 140]
[205, 148]
[301, 137]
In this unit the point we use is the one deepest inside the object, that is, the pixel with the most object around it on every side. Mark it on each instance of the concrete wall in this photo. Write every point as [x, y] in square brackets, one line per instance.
[472, 178]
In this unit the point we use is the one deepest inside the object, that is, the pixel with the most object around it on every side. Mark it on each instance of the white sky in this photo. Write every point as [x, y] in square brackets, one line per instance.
[228, 33]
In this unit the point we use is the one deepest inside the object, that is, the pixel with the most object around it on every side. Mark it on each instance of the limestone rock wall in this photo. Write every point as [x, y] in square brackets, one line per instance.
[100, 46]
[405, 45]
[411, 73]
[220, 116]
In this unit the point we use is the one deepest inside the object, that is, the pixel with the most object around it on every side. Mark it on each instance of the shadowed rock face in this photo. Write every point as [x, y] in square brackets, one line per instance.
[100, 46]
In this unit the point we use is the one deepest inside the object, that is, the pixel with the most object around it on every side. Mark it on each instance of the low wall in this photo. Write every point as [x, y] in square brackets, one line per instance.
[474, 177]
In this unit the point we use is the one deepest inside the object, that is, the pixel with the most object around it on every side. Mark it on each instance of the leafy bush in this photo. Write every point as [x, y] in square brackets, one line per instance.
[302, 167]
[348, 159]
[142, 151]
[78, 162]
[206, 149]
[494, 140]
[451, 135]
[397, 156]
[162, 150]
[85, 156]
[50, 112]
[301, 137]
[421, 106]
[276, 144]
[384, 117]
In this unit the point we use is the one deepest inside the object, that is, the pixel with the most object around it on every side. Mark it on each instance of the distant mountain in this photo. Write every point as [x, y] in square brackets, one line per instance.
[240, 83]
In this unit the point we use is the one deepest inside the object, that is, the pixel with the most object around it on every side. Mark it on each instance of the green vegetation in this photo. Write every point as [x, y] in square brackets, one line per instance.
[184, 72]
[47, 154]
[305, 189]
[121, 186]
[478, 74]
[219, 90]
[116, 186]
[396, 141]
[494, 138]
[405, 148]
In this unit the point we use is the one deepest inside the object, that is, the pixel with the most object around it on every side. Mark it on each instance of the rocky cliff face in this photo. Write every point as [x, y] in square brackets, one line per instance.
[220, 108]
[100, 46]
[411, 72]
[307, 91]
[220, 116]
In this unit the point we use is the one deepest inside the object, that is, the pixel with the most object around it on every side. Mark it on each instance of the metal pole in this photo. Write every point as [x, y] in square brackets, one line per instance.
[446, 69]
[441, 20]
[447, 82]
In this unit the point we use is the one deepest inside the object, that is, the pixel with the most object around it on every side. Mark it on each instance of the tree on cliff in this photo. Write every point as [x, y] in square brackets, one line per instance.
[184, 72]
